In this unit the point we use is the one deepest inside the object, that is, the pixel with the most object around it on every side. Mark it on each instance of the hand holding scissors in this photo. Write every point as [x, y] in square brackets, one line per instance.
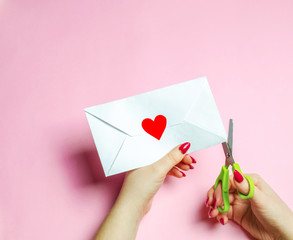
[224, 174]
[264, 215]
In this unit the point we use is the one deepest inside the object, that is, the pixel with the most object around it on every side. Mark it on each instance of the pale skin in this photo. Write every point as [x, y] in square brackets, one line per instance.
[265, 216]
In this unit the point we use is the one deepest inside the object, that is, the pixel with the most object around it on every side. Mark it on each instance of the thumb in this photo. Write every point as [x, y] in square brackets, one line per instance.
[172, 158]
[241, 182]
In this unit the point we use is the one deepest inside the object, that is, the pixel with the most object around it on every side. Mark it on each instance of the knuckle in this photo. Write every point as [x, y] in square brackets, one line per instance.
[211, 191]
[172, 156]
[256, 178]
[157, 169]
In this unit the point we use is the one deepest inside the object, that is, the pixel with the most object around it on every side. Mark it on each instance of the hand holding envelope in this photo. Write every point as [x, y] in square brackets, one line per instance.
[150, 124]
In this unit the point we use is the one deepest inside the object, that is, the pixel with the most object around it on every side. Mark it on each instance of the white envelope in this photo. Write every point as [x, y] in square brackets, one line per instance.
[191, 113]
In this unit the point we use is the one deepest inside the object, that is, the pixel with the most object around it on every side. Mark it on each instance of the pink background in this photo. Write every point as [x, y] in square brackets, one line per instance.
[58, 57]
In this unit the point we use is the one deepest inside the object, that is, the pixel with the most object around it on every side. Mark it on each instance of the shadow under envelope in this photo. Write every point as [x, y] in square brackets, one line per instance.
[83, 168]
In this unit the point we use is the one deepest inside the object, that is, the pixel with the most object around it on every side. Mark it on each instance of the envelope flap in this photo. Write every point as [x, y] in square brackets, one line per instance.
[174, 102]
[204, 113]
[107, 152]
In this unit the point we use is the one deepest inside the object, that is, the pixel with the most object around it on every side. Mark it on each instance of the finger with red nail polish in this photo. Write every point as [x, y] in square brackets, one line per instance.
[209, 212]
[175, 173]
[237, 176]
[183, 174]
[241, 182]
[214, 212]
[207, 202]
[184, 147]
[188, 159]
[210, 197]
[183, 166]
[218, 196]
[223, 218]
[193, 160]
[215, 203]
[222, 221]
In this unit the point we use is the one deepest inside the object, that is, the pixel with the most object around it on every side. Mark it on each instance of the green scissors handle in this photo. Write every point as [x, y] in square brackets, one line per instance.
[224, 178]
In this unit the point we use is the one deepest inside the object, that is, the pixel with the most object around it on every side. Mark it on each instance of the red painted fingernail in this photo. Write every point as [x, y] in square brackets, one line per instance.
[222, 221]
[209, 213]
[207, 201]
[191, 167]
[238, 177]
[215, 203]
[183, 174]
[184, 147]
[193, 160]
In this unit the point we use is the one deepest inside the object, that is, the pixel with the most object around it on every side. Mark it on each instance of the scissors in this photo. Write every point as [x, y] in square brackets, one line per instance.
[224, 174]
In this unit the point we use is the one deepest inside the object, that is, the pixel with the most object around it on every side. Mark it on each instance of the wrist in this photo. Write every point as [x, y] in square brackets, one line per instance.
[131, 205]
[137, 200]
[125, 216]
[287, 232]
[284, 228]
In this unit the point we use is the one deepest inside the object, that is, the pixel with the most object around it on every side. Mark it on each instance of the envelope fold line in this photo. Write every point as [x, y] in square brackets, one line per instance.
[207, 130]
[107, 123]
[195, 101]
[116, 156]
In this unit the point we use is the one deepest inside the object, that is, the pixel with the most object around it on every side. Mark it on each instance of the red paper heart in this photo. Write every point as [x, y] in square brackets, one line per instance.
[155, 128]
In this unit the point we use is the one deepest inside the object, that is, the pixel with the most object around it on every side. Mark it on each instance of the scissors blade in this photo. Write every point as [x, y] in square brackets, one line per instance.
[230, 136]
[227, 146]
[229, 158]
